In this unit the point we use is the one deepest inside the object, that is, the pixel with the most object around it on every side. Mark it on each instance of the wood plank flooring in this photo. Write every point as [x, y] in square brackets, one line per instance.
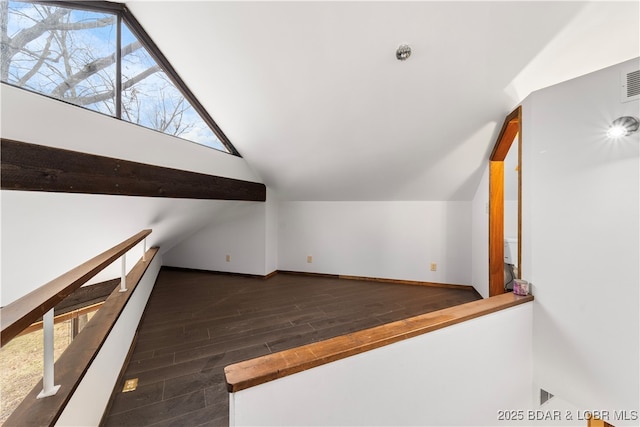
[196, 323]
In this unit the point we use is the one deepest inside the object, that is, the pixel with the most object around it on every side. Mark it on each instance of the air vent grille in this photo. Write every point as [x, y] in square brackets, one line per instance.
[630, 84]
[633, 83]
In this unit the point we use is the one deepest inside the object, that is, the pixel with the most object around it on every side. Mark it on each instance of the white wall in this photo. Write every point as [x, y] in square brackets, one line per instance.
[87, 404]
[57, 232]
[511, 219]
[237, 231]
[397, 240]
[33, 118]
[60, 231]
[245, 231]
[271, 232]
[581, 242]
[480, 236]
[419, 381]
[511, 191]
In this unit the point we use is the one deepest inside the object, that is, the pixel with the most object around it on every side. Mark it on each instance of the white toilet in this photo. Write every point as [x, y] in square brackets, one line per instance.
[511, 251]
[510, 261]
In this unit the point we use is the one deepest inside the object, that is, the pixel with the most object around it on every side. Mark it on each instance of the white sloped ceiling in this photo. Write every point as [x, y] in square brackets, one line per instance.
[312, 96]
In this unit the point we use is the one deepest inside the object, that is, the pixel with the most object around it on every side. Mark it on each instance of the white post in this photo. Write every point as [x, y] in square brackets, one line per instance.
[123, 280]
[48, 389]
[144, 249]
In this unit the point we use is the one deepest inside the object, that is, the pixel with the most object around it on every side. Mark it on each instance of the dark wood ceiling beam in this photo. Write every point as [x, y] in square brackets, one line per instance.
[30, 167]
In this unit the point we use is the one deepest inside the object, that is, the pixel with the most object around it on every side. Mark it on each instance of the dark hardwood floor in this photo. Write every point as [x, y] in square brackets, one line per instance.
[196, 323]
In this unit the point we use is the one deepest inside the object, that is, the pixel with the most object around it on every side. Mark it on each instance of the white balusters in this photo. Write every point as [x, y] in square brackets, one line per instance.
[123, 279]
[48, 387]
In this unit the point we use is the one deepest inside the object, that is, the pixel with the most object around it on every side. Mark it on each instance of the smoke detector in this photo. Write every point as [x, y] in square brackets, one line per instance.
[403, 53]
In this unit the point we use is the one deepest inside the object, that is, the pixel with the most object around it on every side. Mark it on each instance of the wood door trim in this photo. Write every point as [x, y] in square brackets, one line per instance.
[510, 128]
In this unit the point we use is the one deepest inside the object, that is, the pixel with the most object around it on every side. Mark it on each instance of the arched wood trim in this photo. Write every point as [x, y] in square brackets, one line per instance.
[510, 128]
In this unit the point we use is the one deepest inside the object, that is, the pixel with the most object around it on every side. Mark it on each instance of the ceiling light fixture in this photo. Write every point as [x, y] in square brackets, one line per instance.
[403, 53]
[623, 126]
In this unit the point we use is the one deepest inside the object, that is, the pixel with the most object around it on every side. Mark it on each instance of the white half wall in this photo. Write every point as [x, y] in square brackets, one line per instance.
[395, 240]
[89, 401]
[418, 381]
[581, 242]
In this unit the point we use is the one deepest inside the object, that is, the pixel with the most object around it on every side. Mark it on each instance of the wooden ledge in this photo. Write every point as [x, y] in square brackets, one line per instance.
[260, 370]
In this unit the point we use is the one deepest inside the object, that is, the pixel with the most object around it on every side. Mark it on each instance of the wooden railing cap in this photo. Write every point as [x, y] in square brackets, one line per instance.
[260, 370]
[18, 315]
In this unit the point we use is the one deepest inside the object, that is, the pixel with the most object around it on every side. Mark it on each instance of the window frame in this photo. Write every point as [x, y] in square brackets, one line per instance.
[124, 15]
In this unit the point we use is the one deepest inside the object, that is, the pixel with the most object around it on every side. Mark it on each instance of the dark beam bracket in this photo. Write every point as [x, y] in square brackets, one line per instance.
[30, 167]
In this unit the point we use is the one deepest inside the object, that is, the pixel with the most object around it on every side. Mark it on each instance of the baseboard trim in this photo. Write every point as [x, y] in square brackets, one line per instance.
[226, 273]
[270, 275]
[330, 276]
[407, 282]
[306, 273]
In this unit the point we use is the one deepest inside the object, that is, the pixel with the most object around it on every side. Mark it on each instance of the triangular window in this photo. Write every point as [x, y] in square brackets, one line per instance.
[97, 56]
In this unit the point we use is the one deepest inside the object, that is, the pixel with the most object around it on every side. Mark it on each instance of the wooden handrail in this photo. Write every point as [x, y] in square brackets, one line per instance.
[21, 313]
[36, 326]
[260, 370]
[75, 361]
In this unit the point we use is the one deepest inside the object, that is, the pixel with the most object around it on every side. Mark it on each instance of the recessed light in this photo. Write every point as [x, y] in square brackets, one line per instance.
[623, 126]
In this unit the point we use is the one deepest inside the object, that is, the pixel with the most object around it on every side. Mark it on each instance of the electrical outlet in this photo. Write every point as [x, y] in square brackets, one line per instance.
[228, 258]
[309, 259]
[434, 266]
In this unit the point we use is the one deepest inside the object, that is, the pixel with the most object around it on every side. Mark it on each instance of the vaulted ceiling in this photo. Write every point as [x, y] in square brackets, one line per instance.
[312, 96]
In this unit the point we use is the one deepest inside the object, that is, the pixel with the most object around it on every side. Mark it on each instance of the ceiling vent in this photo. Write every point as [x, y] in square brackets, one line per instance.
[630, 85]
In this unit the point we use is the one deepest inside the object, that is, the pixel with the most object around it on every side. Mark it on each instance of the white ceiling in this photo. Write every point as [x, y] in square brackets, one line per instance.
[312, 96]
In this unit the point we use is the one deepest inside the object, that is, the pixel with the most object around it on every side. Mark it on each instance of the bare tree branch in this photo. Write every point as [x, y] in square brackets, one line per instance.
[41, 58]
[66, 58]
[92, 68]
[143, 75]
[23, 37]
[52, 22]
[4, 40]
[165, 119]
[98, 97]
[68, 64]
